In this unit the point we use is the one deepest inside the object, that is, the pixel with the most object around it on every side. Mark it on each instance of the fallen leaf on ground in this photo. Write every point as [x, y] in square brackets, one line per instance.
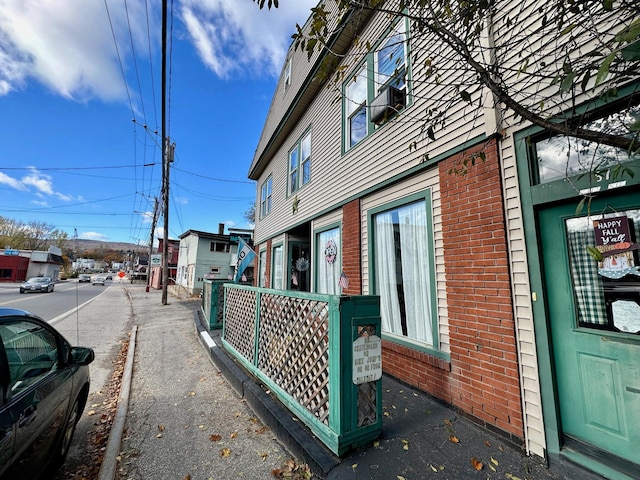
[225, 452]
[405, 444]
[234, 434]
[454, 439]
[477, 464]
[354, 466]
[487, 443]
[494, 461]
[264, 456]
[161, 427]
[215, 438]
[511, 477]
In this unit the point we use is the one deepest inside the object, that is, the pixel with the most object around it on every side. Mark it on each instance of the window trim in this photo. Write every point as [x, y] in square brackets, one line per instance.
[266, 199]
[299, 171]
[425, 197]
[370, 66]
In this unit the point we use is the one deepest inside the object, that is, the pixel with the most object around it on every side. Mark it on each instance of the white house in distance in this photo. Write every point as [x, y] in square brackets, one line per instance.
[211, 256]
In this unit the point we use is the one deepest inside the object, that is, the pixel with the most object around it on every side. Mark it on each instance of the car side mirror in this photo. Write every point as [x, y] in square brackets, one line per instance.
[81, 356]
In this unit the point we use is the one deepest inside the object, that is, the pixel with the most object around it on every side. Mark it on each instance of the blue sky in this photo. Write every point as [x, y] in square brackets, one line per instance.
[80, 112]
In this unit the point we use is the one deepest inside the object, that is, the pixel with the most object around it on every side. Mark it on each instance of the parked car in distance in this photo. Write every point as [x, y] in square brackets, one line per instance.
[84, 278]
[37, 284]
[45, 385]
[109, 277]
[98, 281]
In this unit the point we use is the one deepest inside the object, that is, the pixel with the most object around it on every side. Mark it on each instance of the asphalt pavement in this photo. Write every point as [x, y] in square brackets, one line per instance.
[193, 413]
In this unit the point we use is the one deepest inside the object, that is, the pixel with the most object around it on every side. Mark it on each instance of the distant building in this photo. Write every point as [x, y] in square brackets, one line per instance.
[18, 265]
[212, 256]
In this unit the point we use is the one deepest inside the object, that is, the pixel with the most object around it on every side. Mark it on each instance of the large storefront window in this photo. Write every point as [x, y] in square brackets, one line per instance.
[402, 272]
[603, 258]
[328, 248]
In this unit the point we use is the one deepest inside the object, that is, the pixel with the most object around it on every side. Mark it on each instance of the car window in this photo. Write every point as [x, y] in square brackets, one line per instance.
[31, 350]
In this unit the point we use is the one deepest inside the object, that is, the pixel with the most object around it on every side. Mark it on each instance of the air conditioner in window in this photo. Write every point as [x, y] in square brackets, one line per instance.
[386, 104]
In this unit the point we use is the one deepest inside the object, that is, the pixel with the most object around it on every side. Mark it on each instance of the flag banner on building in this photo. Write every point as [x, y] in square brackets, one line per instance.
[246, 255]
[344, 281]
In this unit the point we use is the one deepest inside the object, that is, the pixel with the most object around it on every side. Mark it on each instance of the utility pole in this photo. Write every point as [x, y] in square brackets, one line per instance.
[165, 163]
[153, 229]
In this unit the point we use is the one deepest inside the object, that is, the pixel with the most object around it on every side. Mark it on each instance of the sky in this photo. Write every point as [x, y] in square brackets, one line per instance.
[81, 118]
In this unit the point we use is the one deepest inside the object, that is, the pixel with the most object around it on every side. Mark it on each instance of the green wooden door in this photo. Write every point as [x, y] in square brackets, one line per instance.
[594, 316]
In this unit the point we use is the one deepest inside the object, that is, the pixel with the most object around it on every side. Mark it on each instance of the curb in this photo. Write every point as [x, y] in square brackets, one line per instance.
[112, 450]
[291, 433]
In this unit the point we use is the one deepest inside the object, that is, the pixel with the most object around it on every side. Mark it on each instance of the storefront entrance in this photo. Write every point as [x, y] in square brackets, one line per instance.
[591, 274]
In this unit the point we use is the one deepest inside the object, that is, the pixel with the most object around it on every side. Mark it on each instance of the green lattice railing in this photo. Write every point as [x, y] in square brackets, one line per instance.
[300, 345]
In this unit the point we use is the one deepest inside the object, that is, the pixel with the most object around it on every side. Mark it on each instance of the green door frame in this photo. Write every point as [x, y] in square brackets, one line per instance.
[534, 197]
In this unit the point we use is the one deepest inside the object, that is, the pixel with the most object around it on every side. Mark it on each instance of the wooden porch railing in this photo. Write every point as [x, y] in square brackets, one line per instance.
[319, 354]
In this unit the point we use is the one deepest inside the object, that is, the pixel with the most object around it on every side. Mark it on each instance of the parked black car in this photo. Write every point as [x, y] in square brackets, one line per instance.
[37, 284]
[44, 385]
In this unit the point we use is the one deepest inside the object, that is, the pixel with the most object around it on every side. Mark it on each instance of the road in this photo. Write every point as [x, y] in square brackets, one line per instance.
[97, 316]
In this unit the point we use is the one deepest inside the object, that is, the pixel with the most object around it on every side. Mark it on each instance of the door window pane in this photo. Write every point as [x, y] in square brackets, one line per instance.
[604, 268]
[329, 265]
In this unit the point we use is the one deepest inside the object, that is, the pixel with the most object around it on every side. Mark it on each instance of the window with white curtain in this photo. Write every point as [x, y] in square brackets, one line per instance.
[329, 264]
[402, 267]
[277, 268]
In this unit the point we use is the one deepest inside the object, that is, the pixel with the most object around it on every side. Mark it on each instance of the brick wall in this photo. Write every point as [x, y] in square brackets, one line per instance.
[482, 378]
[351, 251]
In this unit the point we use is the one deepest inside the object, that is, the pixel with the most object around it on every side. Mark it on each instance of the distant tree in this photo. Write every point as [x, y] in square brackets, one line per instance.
[30, 236]
[250, 214]
[12, 233]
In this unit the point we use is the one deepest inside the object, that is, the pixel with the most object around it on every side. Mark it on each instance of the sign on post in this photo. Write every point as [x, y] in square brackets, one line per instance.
[367, 359]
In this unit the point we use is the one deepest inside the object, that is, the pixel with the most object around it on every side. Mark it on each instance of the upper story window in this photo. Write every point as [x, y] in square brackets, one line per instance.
[219, 247]
[300, 163]
[356, 108]
[377, 91]
[286, 81]
[391, 61]
[265, 198]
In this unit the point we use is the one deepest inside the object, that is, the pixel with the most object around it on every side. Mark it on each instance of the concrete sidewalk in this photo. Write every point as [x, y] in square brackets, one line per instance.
[184, 412]
[183, 419]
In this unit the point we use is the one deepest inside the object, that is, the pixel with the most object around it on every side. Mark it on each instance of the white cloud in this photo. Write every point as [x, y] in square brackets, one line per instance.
[67, 46]
[233, 37]
[42, 183]
[147, 217]
[92, 236]
[11, 182]
[38, 181]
